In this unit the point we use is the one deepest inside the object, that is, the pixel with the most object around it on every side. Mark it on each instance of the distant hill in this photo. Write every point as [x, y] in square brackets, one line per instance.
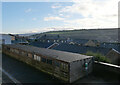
[27, 34]
[102, 35]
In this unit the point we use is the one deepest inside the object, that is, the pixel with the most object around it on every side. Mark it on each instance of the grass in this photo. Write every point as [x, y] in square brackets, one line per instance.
[103, 35]
[98, 57]
[58, 32]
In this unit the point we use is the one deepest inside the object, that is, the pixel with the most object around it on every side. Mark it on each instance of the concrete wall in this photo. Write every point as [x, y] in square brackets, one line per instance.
[106, 71]
[100, 66]
[77, 69]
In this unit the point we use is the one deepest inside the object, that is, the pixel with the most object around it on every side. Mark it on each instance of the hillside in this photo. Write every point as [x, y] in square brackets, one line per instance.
[102, 35]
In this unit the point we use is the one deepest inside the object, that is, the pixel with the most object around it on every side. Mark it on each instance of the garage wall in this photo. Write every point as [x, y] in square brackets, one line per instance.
[78, 70]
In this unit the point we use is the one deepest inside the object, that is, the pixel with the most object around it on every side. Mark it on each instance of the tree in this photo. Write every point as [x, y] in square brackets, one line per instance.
[45, 35]
[58, 36]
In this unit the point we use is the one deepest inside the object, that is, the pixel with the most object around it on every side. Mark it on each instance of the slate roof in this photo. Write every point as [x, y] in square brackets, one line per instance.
[111, 45]
[41, 44]
[60, 55]
[52, 37]
[83, 41]
[81, 49]
[19, 41]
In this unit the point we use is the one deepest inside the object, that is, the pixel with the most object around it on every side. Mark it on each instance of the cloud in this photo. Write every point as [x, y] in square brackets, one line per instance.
[57, 5]
[28, 10]
[45, 29]
[60, 14]
[92, 7]
[52, 18]
[37, 30]
[95, 13]
[92, 23]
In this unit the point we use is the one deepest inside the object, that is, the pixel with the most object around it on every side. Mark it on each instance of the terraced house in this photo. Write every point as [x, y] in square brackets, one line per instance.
[63, 65]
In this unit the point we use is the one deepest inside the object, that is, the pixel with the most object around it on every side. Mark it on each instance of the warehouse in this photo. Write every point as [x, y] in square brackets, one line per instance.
[63, 65]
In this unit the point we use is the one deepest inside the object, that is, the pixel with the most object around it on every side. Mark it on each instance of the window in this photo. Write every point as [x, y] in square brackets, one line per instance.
[35, 57]
[30, 55]
[64, 66]
[38, 58]
[43, 59]
[57, 63]
[23, 53]
[16, 51]
[65, 75]
[49, 61]
[12, 50]
[8, 48]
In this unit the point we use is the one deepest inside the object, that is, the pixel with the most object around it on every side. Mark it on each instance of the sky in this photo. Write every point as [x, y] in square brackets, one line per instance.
[33, 17]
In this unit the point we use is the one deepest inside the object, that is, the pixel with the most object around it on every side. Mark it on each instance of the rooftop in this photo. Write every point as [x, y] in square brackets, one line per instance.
[81, 49]
[59, 55]
[41, 44]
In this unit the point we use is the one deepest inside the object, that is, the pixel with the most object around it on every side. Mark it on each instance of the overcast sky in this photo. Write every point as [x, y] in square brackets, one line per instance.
[27, 17]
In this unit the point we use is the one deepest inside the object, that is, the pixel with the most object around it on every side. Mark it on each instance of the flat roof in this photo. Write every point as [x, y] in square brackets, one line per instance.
[60, 55]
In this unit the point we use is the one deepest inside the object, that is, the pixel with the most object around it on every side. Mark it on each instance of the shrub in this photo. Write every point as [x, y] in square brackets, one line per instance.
[98, 57]
[36, 40]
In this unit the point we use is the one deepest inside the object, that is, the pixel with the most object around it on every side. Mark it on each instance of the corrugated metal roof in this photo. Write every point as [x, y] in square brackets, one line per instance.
[60, 55]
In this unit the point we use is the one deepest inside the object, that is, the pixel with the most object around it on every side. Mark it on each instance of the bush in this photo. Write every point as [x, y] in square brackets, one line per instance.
[36, 40]
[98, 57]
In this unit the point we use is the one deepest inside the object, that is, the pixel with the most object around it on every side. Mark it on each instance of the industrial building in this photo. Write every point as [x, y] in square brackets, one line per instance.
[63, 65]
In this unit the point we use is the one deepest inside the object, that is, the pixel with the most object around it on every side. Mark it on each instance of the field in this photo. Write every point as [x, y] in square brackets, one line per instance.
[102, 35]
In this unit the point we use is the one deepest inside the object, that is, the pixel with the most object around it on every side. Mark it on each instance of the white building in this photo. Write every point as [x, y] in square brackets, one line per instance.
[5, 39]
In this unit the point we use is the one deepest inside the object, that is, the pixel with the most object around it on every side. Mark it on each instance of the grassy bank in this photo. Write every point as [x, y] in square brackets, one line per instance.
[98, 57]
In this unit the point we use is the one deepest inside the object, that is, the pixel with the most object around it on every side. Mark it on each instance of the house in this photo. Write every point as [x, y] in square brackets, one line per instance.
[41, 44]
[31, 37]
[115, 46]
[76, 48]
[92, 43]
[86, 42]
[80, 41]
[20, 40]
[69, 40]
[57, 39]
[114, 56]
[12, 37]
[62, 65]
[5, 39]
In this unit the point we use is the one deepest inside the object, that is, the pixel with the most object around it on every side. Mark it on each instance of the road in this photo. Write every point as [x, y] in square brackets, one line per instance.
[24, 73]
